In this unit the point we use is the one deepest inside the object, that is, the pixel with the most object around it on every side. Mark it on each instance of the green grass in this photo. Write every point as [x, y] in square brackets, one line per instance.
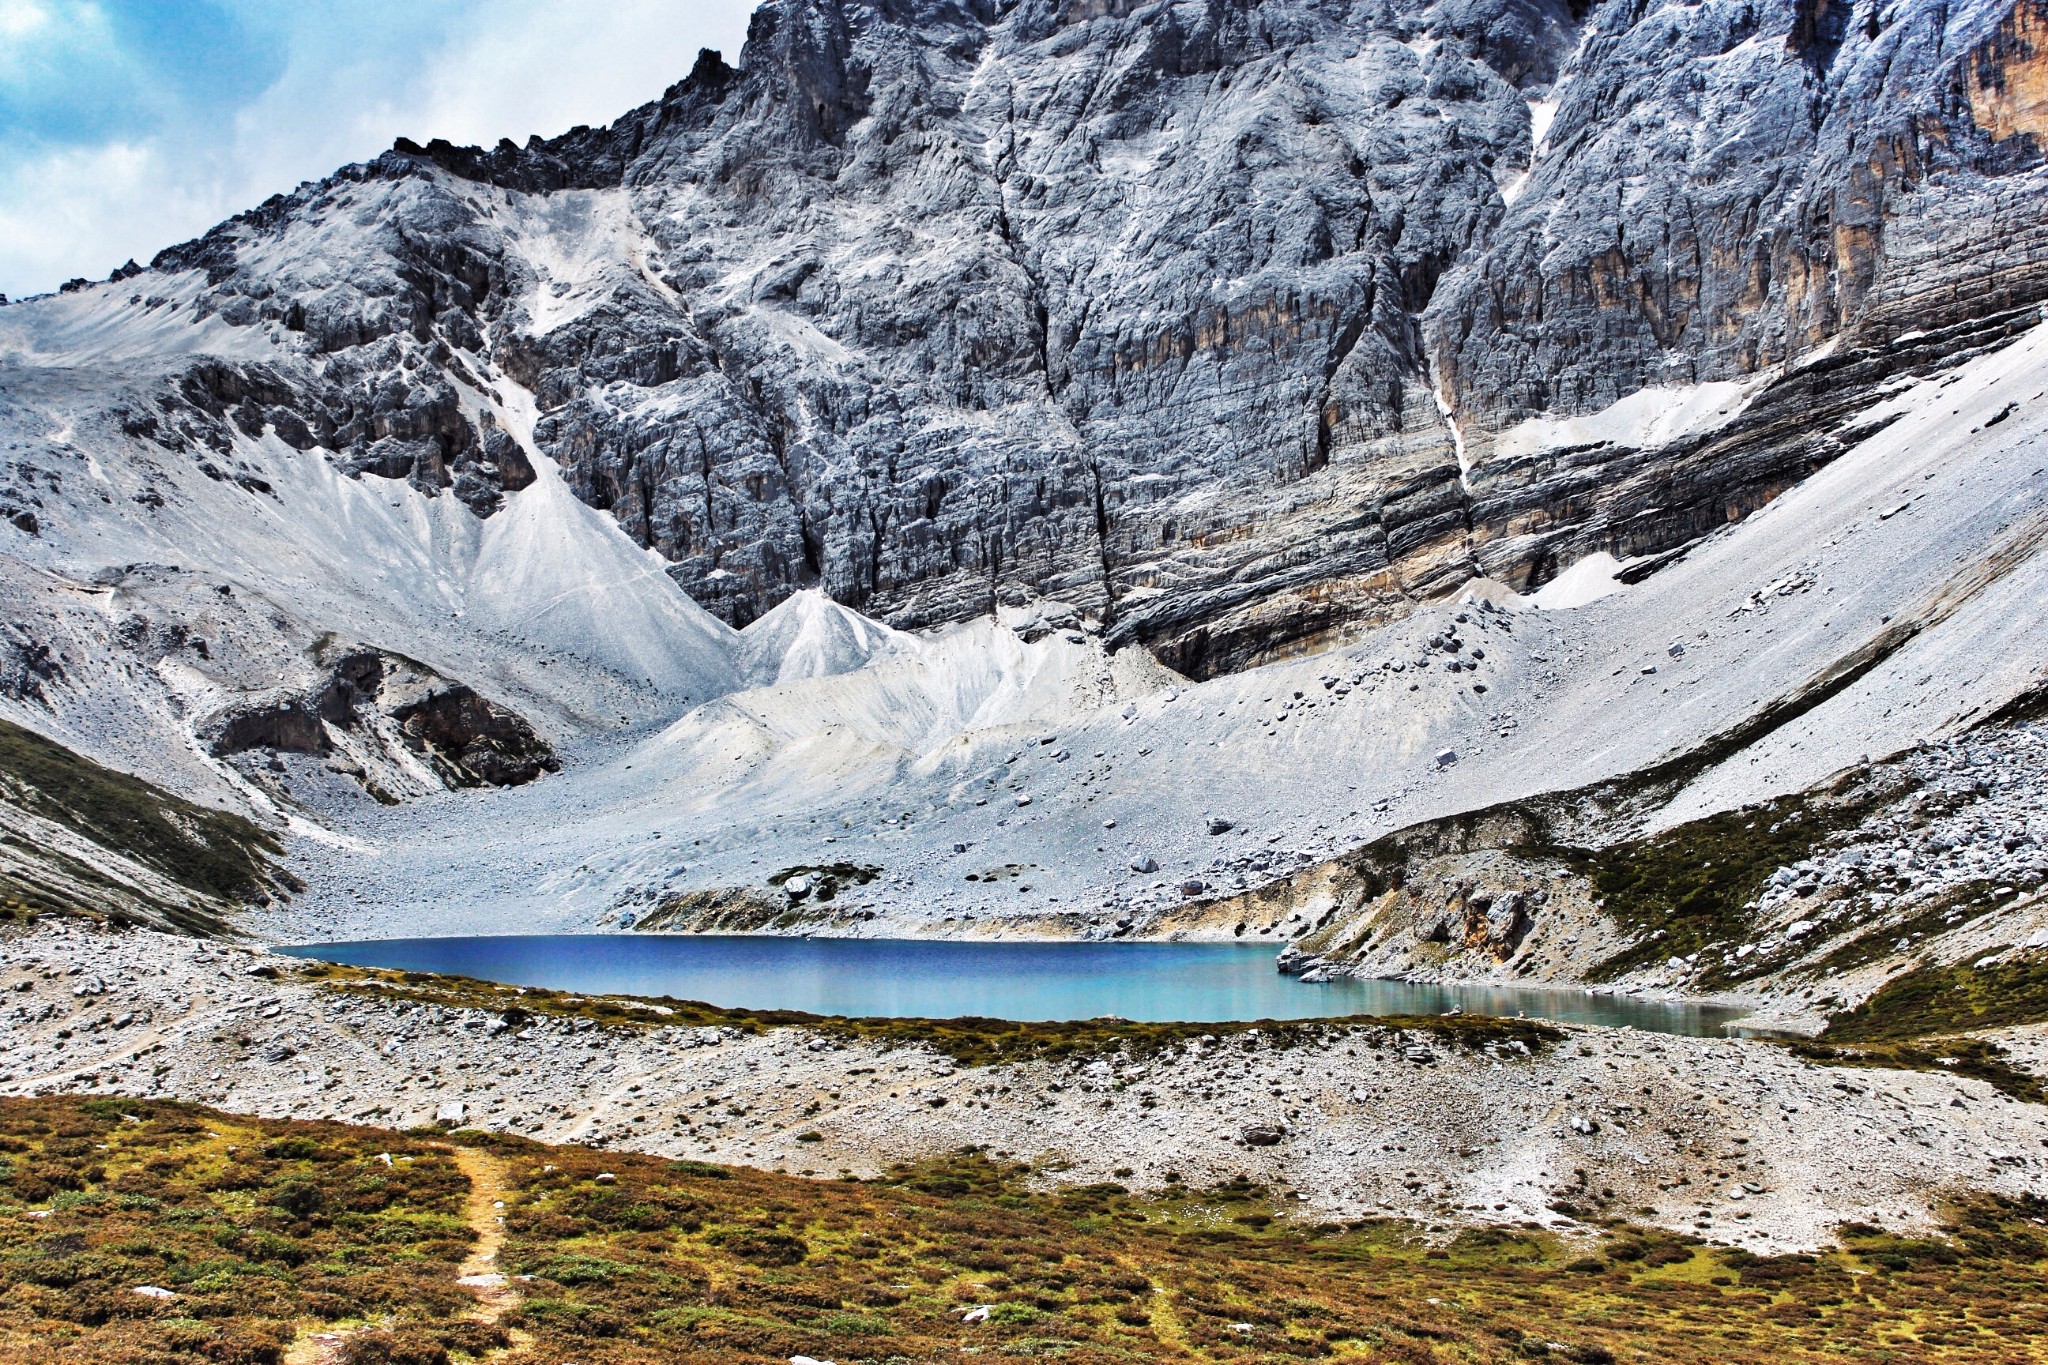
[268, 1227]
[1911, 1021]
[254, 1226]
[1695, 882]
[1975, 1057]
[1950, 1000]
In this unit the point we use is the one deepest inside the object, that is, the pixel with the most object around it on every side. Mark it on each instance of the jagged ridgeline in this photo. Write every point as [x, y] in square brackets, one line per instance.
[1237, 326]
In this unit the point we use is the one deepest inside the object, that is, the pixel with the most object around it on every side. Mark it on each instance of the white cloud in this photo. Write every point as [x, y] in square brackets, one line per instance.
[481, 70]
[35, 33]
[70, 209]
[21, 20]
[544, 68]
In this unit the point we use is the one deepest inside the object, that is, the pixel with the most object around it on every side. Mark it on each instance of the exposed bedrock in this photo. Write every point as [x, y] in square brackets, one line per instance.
[392, 723]
[471, 740]
[1219, 321]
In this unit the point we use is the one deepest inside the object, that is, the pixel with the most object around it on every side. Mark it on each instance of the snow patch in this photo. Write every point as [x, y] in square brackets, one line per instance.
[1542, 113]
[1587, 580]
[1646, 419]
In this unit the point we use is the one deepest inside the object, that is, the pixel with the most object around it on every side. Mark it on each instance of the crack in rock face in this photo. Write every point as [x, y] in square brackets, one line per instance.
[1217, 327]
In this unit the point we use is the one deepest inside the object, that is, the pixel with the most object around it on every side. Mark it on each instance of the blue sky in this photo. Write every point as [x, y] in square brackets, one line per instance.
[127, 125]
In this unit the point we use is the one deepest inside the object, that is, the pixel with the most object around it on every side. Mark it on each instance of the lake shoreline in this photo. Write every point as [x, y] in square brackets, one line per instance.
[947, 978]
[1359, 1121]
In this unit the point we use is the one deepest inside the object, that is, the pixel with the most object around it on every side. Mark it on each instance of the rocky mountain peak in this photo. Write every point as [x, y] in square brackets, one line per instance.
[1226, 324]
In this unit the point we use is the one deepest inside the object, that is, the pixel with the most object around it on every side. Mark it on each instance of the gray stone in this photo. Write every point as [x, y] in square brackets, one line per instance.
[923, 318]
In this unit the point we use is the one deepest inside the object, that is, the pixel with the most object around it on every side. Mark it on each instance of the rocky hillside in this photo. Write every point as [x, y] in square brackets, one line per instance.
[76, 837]
[1064, 461]
[1233, 326]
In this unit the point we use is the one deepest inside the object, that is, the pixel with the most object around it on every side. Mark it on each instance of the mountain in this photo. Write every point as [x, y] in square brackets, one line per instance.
[808, 635]
[1273, 308]
[959, 426]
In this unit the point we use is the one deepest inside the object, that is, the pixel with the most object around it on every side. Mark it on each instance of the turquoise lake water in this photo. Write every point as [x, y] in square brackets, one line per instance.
[1194, 982]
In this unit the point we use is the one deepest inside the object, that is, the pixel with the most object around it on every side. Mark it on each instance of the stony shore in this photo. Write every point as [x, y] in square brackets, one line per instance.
[1736, 1140]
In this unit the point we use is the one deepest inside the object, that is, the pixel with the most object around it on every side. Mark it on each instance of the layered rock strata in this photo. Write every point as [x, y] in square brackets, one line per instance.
[1237, 327]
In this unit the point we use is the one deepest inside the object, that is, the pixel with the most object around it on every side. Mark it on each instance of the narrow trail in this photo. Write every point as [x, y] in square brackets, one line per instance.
[485, 1215]
[479, 1272]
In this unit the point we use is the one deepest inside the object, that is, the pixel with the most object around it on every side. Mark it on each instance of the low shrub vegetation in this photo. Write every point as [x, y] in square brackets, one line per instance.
[262, 1234]
[240, 1229]
[1951, 999]
[224, 858]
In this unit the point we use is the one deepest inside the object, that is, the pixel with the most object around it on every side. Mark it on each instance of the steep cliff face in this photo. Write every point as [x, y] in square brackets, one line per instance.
[1726, 192]
[1235, 326]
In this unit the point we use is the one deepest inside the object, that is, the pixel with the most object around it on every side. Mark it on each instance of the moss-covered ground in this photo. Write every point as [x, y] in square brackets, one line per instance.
[1687, 890]
[1975, 1057]
[267, 1233]
[1951, 999]
[253, 1228]
[1918, 1022]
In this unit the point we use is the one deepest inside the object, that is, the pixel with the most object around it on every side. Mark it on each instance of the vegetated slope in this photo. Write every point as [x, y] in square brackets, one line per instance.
[79, 838]
[1905, 880]
[251, 1234]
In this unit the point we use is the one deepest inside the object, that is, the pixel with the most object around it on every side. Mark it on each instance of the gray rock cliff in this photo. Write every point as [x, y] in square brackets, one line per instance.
[1236, 326]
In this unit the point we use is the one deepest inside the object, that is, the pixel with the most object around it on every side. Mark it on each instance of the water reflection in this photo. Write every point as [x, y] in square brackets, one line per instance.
[1200, 982]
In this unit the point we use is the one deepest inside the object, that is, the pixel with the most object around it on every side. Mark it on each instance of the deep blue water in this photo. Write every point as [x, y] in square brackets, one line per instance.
[1196, 982]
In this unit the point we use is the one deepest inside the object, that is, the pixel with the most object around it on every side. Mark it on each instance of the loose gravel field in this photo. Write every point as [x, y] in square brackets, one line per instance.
[1737, 1140]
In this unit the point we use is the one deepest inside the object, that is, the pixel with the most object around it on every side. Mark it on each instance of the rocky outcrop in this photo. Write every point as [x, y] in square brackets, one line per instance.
[1224, 324]
[2007, 76]
[472, 741]
[281, 727]
[370, 709]
[1928, 859]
